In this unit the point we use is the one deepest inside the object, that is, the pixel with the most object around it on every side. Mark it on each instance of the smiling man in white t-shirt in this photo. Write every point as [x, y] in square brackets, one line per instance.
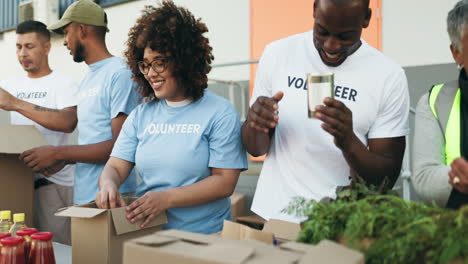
[46, 99]
[361, 131]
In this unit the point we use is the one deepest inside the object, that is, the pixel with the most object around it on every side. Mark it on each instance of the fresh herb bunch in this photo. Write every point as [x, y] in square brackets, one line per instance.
[399, 231]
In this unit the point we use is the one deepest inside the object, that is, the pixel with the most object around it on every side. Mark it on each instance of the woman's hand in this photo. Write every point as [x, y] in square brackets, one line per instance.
[458, 175]
[109, 197]
[148, 207]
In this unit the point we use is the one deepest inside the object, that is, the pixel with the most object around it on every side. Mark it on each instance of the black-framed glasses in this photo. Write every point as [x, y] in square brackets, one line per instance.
[158, 65]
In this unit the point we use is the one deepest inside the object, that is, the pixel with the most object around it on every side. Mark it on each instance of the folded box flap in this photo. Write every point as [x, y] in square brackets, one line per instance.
[190, 237]
[330, 252]
[154, 240]
[282, 229]
[123, 226]
[296, 247]
[264, 253]
[80, 212]
[237, 231]
[16, 139]
[226, 253]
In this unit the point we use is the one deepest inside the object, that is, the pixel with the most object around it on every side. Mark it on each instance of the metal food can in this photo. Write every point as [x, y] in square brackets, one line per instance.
[319, 86]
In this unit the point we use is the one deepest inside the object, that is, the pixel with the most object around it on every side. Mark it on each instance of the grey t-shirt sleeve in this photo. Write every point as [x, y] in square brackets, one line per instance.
[430, 174]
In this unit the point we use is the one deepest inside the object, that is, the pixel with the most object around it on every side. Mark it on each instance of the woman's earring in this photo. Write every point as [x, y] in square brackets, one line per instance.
[460, 67]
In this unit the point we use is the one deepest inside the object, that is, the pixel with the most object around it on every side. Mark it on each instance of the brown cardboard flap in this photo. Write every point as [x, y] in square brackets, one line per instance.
[268, 254]
[155, 241]
[80, 212]
[16, 139]
[282, 229]
[329, 252]
[239, 232]
[123, 226]
[190, 237]
[226, 253]
[296, 247]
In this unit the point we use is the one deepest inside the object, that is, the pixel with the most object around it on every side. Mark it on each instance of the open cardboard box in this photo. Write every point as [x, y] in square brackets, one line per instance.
[173, 246]
[98, 234]
[274, 231]
[16, 179]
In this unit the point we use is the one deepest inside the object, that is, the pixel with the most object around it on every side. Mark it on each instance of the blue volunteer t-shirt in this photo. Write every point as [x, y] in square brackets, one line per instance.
[177, 146]
[106, 91]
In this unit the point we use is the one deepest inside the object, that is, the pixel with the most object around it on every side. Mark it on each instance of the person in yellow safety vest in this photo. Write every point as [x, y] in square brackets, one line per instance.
[440, 171]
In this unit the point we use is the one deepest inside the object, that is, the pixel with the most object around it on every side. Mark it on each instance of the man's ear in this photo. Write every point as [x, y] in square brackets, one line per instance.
[47, 47]
[457, 55]
[367, 18]
[82, 31]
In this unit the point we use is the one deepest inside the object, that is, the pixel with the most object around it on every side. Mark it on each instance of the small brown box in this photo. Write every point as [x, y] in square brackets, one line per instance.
[98, 234]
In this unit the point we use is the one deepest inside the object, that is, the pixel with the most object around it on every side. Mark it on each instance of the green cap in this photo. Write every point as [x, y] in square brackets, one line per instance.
[84, 12]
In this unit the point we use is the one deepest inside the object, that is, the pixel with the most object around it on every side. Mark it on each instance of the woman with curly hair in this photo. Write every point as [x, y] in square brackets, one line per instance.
[184, 141]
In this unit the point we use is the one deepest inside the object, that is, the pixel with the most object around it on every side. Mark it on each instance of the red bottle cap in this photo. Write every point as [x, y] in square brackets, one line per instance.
[15, 240]
[4, 234]
[27, 231]
[42, 236]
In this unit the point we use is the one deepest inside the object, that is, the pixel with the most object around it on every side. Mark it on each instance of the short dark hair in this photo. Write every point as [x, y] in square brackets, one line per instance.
[365, 4]
[170, 29]
[32, 26]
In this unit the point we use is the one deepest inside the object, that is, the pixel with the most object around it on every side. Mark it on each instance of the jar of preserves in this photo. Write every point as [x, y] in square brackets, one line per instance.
[12, 250]
[26, 234]
[3, 235]
[42, 251]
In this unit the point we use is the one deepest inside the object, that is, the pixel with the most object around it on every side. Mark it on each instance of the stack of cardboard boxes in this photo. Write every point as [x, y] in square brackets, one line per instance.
[16, 179]
[236, 244]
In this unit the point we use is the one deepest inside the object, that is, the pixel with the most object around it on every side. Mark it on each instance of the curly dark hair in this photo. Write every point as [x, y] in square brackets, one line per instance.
[173, 30]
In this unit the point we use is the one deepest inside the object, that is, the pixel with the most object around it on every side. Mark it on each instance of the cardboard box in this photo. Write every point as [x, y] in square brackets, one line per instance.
[253, 221]
[98, 234]
[237, 205]
[16, 179]
[175, 246]
[275, 229]
[282, 230]
[237, 231]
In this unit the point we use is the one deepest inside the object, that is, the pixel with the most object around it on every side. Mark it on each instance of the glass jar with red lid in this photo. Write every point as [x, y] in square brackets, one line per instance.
[26, 234]
[12, 250]
[3, 235]
[42, 251]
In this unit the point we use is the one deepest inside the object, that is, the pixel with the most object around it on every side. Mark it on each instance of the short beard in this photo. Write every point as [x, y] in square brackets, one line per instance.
[79, 52]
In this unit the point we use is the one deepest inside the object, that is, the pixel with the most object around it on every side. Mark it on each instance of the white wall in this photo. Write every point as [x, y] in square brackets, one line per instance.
[414, 31]
[227, 21]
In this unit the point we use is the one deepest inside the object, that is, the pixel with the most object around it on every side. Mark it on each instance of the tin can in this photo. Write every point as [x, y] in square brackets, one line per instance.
[319, 86]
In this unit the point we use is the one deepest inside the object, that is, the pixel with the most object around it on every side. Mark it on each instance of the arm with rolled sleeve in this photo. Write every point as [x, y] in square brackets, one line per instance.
[430, 174]
[123, 99]
[382, 157]
[256, 142]
[61, 118]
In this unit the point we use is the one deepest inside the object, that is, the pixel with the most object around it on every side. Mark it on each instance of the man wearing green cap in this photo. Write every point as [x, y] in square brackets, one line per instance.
[107, 95]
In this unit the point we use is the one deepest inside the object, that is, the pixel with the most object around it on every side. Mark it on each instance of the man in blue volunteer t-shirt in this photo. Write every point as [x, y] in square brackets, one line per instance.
[106, 97]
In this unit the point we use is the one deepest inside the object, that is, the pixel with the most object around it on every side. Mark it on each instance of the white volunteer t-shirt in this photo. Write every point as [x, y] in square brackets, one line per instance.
[303, 160]
[55, 91]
